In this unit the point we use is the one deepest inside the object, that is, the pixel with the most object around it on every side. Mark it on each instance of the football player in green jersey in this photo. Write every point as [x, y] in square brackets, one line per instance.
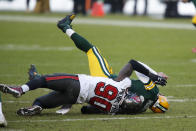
[98, 66]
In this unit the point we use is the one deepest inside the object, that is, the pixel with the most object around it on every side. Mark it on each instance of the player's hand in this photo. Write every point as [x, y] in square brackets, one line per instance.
[162, 75]
[158, 79]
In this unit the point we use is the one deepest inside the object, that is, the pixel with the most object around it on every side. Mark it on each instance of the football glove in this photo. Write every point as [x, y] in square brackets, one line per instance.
[158, 79]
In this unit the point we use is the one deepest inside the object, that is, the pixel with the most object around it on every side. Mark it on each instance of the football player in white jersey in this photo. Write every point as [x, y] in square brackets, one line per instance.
[102, 96]
[106, 94]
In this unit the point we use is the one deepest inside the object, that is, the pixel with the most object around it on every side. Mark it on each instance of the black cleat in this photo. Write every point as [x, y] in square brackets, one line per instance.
[30, 111]
[65, 23]
[33, 74]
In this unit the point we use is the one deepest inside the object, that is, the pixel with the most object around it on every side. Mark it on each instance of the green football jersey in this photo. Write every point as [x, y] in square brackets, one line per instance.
[150, 96]
[137, 87]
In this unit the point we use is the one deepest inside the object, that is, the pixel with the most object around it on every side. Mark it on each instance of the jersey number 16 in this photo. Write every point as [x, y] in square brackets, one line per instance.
[104, 95]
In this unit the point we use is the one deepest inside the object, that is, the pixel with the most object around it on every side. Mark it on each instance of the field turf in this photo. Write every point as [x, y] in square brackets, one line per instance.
[42, 44]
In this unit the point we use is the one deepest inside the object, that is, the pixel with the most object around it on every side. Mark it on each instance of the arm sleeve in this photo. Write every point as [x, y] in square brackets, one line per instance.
[145, 79]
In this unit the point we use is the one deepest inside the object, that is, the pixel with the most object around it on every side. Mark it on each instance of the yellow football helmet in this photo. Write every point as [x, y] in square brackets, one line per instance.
[161, 105]
[194, 21]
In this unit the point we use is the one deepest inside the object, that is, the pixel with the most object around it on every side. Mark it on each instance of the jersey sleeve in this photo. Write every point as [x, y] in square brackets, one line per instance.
[126, 82]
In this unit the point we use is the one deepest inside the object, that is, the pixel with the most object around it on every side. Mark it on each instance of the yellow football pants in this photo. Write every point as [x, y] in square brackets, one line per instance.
[97, 64]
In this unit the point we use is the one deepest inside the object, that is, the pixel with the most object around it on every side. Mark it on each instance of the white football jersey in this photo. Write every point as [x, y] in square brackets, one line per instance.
[103, 93]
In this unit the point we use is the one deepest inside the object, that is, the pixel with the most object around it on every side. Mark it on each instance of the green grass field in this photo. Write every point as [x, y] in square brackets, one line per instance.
[166, 50]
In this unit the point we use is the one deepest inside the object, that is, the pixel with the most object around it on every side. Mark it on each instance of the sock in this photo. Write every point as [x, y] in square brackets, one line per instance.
[69, 32]
[25, 88]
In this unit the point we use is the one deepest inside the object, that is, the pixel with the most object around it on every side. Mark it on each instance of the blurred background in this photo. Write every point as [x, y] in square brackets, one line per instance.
[155, 8]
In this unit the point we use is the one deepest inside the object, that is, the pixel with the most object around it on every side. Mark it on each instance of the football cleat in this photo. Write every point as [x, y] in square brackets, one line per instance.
[161, 105]
[65, 23]
[15, 91]
[30, 111]
[33, 74]
[64, 109]
[3, 122]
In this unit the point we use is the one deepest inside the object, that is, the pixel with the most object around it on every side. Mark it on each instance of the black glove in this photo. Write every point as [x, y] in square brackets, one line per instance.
[157, 79]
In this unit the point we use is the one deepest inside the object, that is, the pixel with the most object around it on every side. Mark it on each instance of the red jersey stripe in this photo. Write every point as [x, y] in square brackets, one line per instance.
[61, 77]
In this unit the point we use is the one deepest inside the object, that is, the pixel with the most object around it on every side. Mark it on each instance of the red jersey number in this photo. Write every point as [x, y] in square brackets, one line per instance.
[105, 94]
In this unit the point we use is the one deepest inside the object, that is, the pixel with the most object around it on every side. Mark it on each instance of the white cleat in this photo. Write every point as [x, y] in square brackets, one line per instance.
[64, 109]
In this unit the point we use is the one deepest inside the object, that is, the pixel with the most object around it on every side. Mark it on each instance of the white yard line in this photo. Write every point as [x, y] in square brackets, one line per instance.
[182, 100]
[106, 118]
[184, 85]
[170, 99]
[11, 47]
[193, 60]
[122, 23]
[21, 102]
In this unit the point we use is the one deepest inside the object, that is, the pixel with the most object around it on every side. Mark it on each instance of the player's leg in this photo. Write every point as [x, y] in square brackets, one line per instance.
[51, 100]
[63, 83]
[80, 42]
[3, 121]
[97, 63]
[33, 74]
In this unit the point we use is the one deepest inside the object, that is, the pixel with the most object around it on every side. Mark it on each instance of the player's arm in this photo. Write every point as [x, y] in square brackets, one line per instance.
[134, 65]
[126, 71]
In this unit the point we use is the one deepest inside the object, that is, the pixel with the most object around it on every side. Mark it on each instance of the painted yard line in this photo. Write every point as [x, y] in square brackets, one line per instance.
[184, 85]
[169, 99]
[122, 23]
[27, 47]
[182, 100]
[104, 119]
[21, 102]
[193, 60]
